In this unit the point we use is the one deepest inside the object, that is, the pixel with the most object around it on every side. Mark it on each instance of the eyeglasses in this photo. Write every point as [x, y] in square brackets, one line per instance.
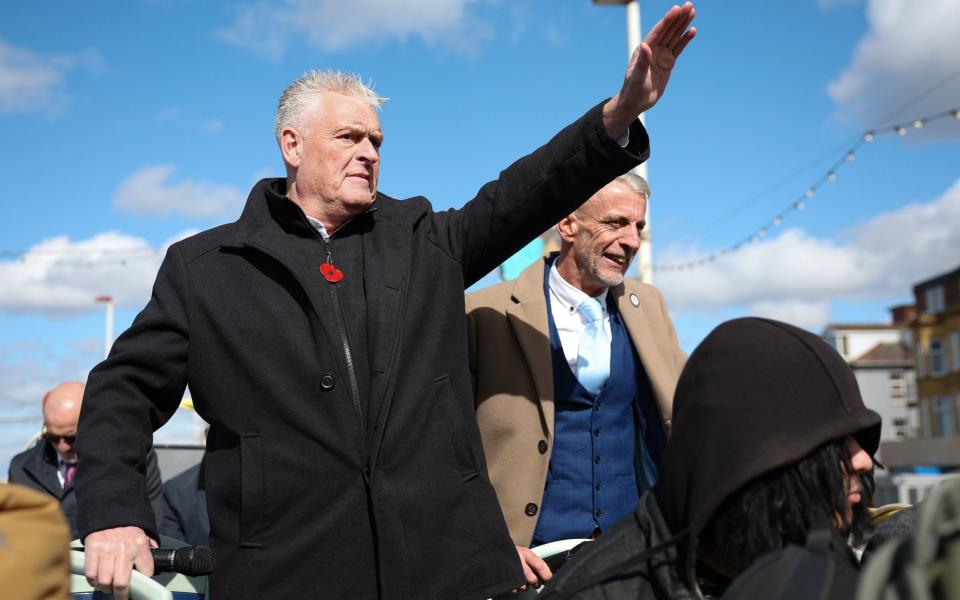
[55, 439]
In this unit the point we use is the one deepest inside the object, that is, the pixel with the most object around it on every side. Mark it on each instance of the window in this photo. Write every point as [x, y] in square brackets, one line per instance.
[943, 417]
[938, 358]
[934, 299]
[955, 350]
[900, 427]
[925, 417]
[898, 386]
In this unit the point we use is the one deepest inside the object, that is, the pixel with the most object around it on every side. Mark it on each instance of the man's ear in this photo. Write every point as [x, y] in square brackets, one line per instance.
[568, 227]
[291, 146]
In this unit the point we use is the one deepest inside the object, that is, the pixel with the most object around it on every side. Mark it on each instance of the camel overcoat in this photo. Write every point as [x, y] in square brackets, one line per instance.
[510, 363]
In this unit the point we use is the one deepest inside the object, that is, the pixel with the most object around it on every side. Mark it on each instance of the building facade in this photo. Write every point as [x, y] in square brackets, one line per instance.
[937, 334]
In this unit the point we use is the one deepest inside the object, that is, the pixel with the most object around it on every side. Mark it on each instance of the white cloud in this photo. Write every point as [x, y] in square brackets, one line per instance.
[795, 275]
[32, 82]
[911, 52]
[809, 315]
[149, 191]
[58, 277]
[331, 25]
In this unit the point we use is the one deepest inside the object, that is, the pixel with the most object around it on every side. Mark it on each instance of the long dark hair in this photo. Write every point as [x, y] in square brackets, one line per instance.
[783, 506]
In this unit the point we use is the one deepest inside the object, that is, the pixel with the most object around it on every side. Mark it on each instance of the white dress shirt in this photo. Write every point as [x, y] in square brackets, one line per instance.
[564, 300]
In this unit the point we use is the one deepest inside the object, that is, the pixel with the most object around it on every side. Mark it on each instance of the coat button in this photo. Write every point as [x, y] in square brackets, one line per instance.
[542, 446]
[530, 509]
[327, 381]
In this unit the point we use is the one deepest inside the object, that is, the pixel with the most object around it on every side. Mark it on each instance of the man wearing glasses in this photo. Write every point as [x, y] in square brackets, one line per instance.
[50, 466]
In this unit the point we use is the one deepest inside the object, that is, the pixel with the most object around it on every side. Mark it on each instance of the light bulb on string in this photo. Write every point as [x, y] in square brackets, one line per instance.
[850, 156]
[831, 176]
[762, 232]
[919, 123]
[956, 113]
[798, 205]
[777, 220]
[868, 136]
[901, 131]
[809, 193]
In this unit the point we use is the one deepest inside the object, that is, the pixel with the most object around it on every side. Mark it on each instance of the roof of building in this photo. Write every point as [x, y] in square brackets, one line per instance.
[938, 279]
[859, 326]
[893, 354]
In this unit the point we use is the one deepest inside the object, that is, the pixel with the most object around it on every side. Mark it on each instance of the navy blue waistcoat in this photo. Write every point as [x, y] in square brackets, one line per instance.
[606, 449]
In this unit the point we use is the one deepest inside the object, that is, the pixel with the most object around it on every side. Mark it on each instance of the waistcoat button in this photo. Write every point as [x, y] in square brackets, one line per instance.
[530, 509]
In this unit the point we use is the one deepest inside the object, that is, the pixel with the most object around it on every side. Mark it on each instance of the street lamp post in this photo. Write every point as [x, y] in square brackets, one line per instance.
[645, 256]
[108, 334]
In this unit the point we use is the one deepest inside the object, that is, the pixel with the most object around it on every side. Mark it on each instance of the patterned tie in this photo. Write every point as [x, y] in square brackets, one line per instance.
[68, 477]
[593, 358]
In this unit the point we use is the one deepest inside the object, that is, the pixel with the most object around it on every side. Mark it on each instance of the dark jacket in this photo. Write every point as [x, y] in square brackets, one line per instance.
[754, 396]
[185, 508]
[37, 468]
[343, 457]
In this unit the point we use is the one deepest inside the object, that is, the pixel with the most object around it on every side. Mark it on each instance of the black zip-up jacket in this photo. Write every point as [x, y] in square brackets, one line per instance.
[337, 466]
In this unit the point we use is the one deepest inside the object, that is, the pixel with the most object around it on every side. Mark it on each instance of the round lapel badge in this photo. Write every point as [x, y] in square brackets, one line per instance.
[634, 300]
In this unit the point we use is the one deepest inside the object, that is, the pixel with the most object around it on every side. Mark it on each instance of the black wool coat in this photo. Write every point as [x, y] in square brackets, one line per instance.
[343, 458]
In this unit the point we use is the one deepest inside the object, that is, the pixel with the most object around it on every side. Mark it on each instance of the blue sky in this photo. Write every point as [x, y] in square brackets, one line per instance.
[129, 125]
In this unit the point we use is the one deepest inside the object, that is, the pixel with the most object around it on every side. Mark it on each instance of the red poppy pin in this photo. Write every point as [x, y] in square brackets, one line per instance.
[331, 273]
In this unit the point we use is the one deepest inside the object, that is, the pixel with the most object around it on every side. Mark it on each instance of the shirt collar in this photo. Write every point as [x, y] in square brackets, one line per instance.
[568, 295]
[320, 227]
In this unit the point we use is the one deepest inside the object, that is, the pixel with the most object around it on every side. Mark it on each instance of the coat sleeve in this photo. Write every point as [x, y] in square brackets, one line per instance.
[535, 192]
[128, 396]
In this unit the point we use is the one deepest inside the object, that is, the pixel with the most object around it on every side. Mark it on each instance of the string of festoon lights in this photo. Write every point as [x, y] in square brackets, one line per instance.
[800, 203]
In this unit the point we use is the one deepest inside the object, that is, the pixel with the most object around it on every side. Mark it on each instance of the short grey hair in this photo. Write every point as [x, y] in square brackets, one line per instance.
[299, 97]
[635, 183]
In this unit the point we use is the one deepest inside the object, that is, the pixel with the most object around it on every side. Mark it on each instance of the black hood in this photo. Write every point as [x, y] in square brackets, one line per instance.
[754, 396]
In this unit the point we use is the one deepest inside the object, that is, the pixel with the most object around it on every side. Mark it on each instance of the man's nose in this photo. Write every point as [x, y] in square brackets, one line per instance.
[859, 459]
[631, 239]
[368, 152]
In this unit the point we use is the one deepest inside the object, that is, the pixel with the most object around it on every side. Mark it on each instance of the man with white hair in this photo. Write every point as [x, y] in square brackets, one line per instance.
[51, 464]
[573, 369]
[322, 339]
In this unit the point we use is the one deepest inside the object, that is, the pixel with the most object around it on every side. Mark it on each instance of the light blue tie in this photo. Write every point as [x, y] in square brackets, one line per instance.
[593, 358]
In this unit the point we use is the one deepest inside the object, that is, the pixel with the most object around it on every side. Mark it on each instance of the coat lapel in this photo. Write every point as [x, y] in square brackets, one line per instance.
[43, 472]
[386, 265]
[637, 324]
[528, 318]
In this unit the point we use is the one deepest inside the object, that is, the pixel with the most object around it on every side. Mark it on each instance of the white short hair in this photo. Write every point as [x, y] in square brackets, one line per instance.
[636, 183]
[299, 97]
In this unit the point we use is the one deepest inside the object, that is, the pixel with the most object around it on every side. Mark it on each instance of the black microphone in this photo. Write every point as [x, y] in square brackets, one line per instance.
[192, 561]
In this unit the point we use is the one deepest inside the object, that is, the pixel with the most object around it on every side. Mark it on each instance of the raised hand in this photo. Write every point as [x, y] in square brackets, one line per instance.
[649, 69]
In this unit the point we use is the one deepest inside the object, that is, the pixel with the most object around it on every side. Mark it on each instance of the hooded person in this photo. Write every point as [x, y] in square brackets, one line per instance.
[771, 441]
